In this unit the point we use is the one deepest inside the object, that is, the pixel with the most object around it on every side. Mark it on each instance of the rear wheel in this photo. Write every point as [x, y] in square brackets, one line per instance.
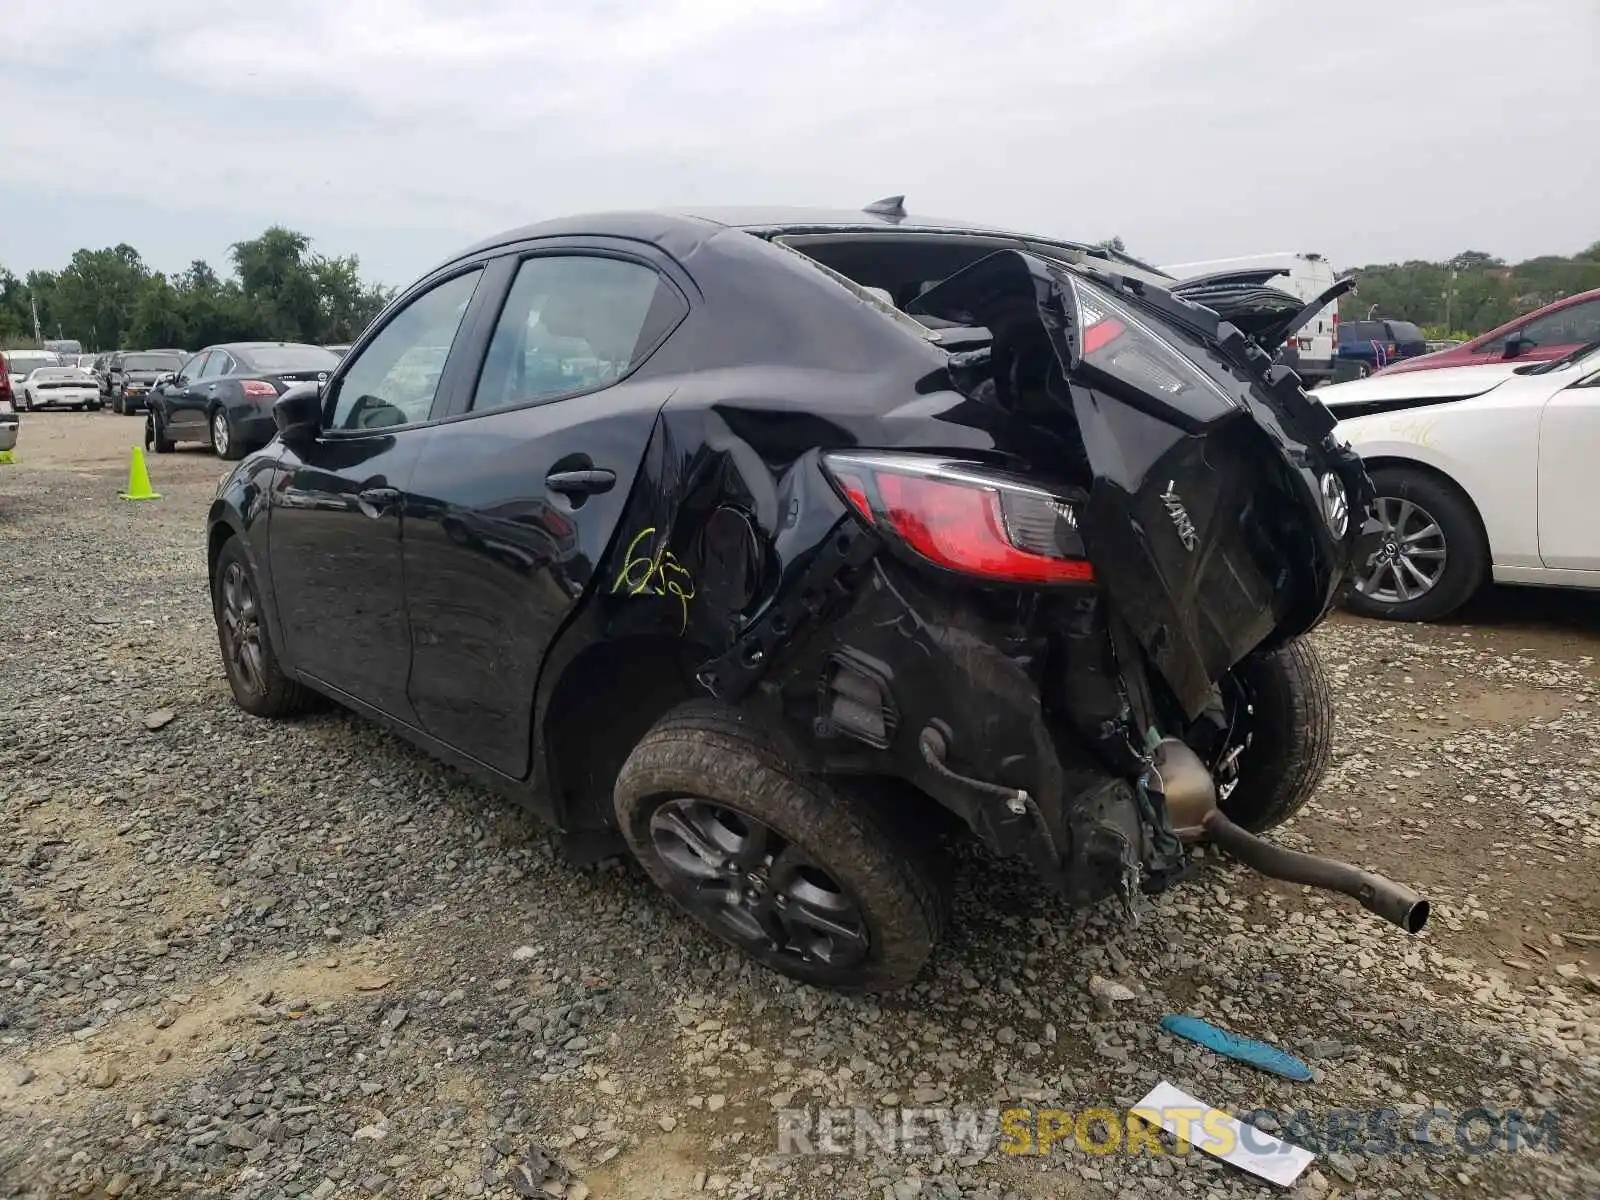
[1422, 554]
[1282, 701]
[259, 684]
[224, 439]
[810, 881]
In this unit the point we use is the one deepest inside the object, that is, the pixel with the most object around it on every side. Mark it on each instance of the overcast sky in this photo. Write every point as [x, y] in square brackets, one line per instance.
[401, 130]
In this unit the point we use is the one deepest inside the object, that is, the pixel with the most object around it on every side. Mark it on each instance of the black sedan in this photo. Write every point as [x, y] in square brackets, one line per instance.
[772, 546]
[223, 396]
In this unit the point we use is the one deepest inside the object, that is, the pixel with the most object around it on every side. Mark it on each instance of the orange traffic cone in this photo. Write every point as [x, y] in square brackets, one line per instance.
[139, 480]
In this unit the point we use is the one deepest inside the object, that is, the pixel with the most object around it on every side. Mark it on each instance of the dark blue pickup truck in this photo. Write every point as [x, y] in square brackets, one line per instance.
[1368, 346]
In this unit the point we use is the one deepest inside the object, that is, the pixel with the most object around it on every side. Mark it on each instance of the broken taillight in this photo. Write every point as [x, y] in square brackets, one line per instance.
[965, 517]
[1115, 341]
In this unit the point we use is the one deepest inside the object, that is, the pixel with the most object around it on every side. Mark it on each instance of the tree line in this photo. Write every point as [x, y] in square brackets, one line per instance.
[280, 290]
[1471, 292]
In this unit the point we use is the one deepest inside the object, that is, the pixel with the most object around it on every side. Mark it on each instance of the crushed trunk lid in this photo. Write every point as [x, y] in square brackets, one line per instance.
[1206, 520]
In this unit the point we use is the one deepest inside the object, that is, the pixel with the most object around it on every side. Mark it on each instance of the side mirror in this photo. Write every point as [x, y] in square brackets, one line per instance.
[298, 413]
[1517, 345]
[163, 380]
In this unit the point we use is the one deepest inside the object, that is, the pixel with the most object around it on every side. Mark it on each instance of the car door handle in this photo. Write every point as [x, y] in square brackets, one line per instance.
[588, 482]
[378, 500]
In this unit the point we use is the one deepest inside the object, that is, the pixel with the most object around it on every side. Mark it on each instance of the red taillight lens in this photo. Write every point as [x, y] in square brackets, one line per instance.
[258, 388]
[961, 518]
[1115, 341]
[1102, 333]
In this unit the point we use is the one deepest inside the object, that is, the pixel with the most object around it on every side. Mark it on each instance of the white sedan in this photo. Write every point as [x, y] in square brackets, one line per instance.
[59, 387]
[1482, 473]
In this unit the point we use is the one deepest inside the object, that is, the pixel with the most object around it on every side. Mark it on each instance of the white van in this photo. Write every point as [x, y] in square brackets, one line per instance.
[1304, 275]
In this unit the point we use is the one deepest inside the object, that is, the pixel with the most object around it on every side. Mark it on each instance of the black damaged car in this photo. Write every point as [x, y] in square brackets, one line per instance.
[782, 547]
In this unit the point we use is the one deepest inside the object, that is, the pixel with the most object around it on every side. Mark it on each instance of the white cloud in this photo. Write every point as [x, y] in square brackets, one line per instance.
[1219, 126]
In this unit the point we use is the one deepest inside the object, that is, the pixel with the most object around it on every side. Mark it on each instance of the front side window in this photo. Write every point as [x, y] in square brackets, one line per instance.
[216, 365]
[191, 369]
[571, 323]
[394, 379]
[1574, 324]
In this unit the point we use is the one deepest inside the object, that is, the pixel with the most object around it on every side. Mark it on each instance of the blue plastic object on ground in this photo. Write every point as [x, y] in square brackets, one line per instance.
[1245, 1050]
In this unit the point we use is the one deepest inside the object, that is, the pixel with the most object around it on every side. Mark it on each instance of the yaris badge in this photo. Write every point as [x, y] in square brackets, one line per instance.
[1187, 534]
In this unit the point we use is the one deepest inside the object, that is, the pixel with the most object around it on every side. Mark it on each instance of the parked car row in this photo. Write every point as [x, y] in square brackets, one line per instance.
[221, 396]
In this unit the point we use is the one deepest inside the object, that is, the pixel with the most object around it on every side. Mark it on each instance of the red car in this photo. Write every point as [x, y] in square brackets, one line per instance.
[1544, 334]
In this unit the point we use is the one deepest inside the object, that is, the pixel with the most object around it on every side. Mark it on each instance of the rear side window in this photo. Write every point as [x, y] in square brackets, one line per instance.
[1404, 331]
[572, 323]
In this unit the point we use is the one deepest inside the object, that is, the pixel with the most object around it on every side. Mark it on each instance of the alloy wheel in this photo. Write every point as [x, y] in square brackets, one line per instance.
[1410, 556]
[219, 431]
[241, 628]
[755, 886]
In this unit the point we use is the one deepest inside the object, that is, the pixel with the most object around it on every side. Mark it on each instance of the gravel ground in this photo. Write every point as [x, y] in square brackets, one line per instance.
[247, 959]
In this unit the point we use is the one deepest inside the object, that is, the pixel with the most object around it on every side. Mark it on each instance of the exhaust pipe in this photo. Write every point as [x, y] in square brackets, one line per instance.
[1392, 901]
[1191, 796]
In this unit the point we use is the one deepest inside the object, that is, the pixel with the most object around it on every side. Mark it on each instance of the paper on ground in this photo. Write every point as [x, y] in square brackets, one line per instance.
[1220, 1136]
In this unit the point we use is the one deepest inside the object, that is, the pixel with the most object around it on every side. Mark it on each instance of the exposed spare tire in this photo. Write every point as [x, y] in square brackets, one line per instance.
[820, 884]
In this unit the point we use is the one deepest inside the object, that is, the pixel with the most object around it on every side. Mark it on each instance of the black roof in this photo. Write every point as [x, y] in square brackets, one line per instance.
[683, 231]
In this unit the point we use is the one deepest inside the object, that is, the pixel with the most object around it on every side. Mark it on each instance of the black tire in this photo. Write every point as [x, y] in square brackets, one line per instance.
[1362, 370]
[232, 448]
[273, 693]
[704, 751]
[1291, 735]
[155, 434]
[1466, 548]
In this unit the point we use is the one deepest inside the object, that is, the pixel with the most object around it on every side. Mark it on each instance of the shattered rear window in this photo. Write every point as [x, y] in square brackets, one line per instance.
[904, 319]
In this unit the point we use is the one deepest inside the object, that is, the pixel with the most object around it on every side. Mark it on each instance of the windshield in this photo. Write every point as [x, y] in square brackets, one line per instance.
[21, 364]
[46, 373]
[293, 358]
[150, 362]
